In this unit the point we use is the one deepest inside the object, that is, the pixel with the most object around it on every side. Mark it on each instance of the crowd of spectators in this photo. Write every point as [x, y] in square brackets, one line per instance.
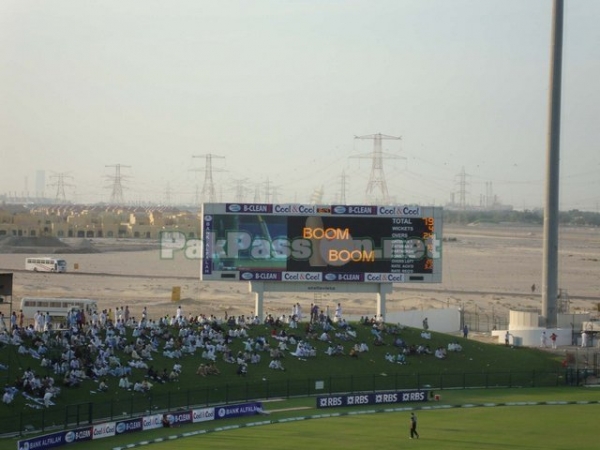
[114, 348]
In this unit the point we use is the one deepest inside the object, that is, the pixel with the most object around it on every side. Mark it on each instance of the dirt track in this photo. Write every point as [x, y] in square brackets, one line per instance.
[486, 270]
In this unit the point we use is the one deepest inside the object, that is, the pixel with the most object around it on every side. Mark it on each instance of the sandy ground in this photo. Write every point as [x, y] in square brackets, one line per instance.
[486, 270]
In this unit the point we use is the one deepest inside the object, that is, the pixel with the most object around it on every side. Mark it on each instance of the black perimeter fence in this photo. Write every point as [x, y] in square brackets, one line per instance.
[125, 405]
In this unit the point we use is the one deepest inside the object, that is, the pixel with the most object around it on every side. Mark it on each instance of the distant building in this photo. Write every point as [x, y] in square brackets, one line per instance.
[96, 221]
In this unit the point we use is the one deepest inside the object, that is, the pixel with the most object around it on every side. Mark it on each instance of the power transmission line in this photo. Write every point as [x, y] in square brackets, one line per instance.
[60, 185]
[343, 183]
[116, 196]
[377, 191]
[209, 192]
[462, 189]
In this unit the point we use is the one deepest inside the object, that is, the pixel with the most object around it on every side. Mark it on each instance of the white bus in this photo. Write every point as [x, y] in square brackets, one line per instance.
[45, 264]
[57, 307]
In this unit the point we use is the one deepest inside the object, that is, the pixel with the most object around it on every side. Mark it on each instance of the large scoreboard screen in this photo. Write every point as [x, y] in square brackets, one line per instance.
[321, 243]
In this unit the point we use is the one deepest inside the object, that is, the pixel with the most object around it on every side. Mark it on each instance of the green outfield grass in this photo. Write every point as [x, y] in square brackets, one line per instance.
[517, 427]
[477, 365]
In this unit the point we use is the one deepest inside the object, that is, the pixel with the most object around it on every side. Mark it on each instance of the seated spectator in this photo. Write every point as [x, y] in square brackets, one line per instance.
[343, 336]
[276, 365]
[254, 358]
[454, 347]
[399, 342]
[283, 346]
[209, 354]
[242, 369]
[240, 358]
[202, 370]
[103, 386]
[8, 396]
[440, 353]
[335, 350]
[304, 350]
[228, 357]
[48, 399]
[173, 354]
[420, 349]
[362, 347]
[276, 353]
[146, 352]
[163, 377]
[293, 322]
[324, 337]
[375, 331]
[212, 369]
[139, 364]
[151, 373]
[124, 383]
[71, 380]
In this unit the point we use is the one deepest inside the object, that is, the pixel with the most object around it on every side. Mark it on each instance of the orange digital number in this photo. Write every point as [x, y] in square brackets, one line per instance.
[429, 223]
[429, 264]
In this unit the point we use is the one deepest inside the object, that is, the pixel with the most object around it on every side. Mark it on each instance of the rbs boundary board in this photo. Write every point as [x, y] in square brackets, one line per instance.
[321, 243]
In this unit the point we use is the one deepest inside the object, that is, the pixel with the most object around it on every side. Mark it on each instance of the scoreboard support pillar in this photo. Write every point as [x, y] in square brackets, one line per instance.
[258, 289]
[383, 289]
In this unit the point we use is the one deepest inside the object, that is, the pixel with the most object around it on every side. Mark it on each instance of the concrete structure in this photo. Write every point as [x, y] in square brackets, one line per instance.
[442, 320]
[525, 329]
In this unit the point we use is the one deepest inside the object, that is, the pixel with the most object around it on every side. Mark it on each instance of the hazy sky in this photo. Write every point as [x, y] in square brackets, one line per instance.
[280, 89]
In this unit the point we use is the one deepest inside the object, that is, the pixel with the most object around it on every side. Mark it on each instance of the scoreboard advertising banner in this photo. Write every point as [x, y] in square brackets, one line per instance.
[317, 243]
